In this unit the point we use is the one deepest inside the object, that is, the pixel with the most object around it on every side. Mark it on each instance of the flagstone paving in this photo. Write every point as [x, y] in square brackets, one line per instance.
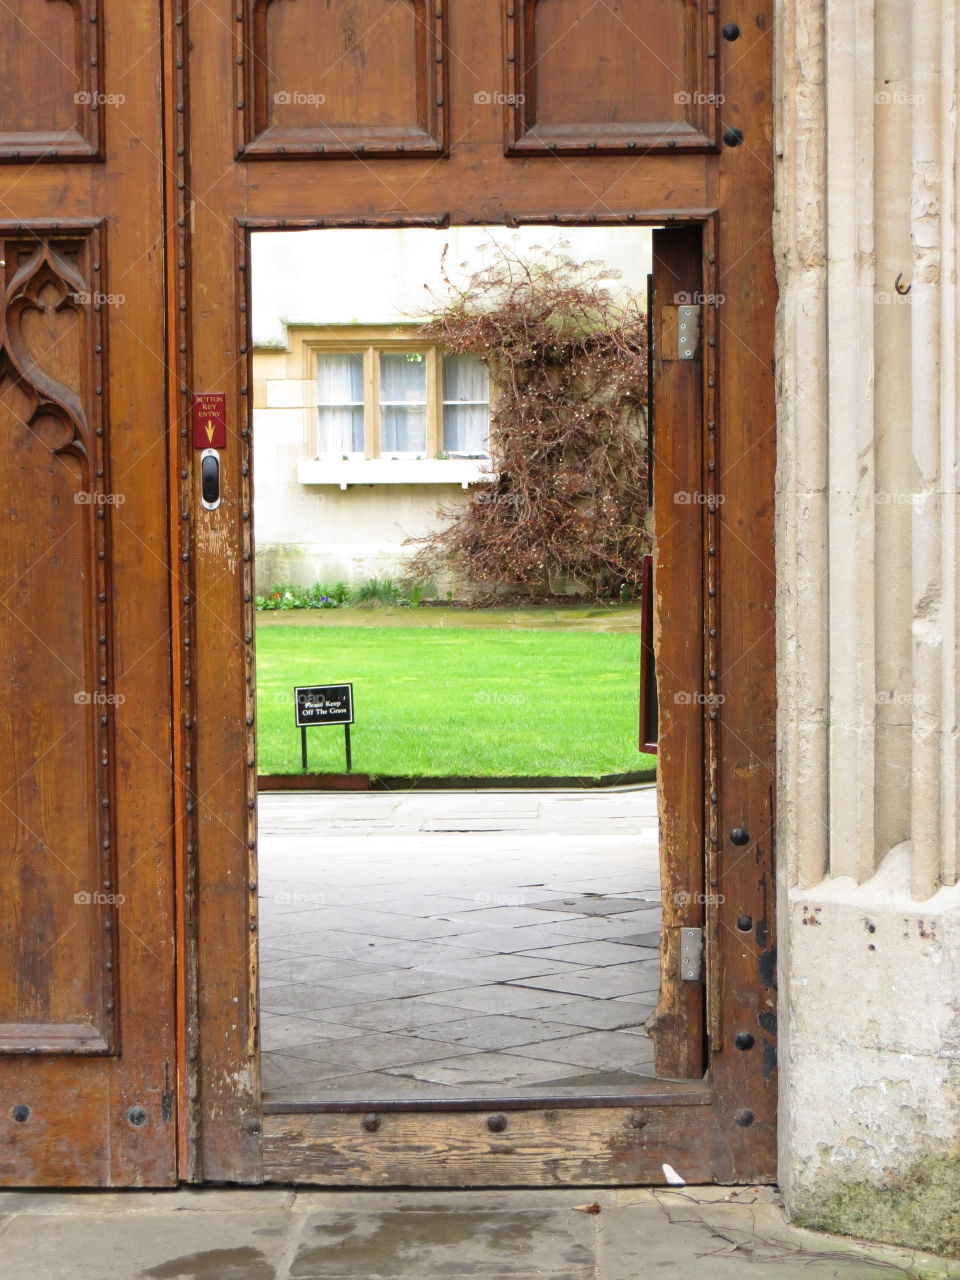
[434, 945]
[682, 1233]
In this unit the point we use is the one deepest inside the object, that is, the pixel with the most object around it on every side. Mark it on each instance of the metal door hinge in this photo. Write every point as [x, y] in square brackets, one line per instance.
[680, 332]
[691, 954]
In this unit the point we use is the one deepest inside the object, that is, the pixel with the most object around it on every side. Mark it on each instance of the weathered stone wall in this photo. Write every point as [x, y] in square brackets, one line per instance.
[867, 547]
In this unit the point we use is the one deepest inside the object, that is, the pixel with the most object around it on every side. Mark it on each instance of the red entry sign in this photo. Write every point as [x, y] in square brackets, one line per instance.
[210, 420]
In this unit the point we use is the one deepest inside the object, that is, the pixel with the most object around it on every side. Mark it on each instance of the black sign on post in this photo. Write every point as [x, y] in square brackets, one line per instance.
[318, 704]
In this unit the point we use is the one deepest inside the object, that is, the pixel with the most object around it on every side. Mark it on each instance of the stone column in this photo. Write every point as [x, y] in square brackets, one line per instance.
[867, 536]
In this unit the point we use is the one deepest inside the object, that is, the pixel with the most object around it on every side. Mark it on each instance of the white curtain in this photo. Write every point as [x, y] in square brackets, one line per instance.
[466, 412]
[403, 402]
[340, 403]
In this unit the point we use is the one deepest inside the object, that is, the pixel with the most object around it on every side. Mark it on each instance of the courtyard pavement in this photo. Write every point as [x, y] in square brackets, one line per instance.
[444, 944]
[690, 1233]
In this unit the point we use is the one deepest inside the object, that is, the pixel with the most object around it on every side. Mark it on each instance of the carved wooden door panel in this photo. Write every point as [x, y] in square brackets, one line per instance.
[307, 114]
[88, 1064]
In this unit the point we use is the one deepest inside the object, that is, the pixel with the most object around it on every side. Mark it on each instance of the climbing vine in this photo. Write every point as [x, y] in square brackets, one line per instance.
[568, 370]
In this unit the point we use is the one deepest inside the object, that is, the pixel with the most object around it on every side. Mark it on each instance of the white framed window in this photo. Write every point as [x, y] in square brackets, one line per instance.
[382, 395]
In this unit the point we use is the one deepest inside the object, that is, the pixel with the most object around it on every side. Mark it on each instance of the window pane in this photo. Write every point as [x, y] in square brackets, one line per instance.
[465, 428]
[465, 378]
[466, 414]
[340, 429]
[402, 429]
[403, 377]
[339, 378]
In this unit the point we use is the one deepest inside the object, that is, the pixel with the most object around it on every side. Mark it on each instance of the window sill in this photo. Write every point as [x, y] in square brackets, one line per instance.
[461, 471]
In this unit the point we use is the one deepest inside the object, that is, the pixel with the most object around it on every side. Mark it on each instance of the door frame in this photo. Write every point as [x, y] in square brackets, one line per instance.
[695, 1125]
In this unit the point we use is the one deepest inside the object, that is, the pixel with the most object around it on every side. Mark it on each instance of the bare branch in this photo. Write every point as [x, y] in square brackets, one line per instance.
[567, 433]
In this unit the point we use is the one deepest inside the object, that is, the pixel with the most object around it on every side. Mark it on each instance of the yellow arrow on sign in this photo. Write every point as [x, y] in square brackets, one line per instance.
[210, 430]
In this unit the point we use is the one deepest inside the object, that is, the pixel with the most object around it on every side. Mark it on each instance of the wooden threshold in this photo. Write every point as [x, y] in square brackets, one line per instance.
[497, 1146]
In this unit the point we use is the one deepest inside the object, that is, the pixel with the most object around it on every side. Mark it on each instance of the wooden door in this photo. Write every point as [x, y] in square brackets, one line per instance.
[139, 147]
[308, 115]
[88, 1065]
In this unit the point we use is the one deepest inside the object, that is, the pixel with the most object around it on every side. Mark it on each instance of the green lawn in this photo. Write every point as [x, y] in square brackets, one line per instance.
[455, 701]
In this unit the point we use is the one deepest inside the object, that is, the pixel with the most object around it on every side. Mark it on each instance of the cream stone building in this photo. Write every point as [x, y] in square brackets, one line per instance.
[362, 431]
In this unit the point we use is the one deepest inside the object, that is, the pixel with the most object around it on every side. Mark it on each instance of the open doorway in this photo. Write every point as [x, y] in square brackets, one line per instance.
[460, 888]
[484, 605]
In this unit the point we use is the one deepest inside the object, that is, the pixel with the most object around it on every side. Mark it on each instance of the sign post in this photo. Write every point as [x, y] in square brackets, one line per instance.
[320, 704]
